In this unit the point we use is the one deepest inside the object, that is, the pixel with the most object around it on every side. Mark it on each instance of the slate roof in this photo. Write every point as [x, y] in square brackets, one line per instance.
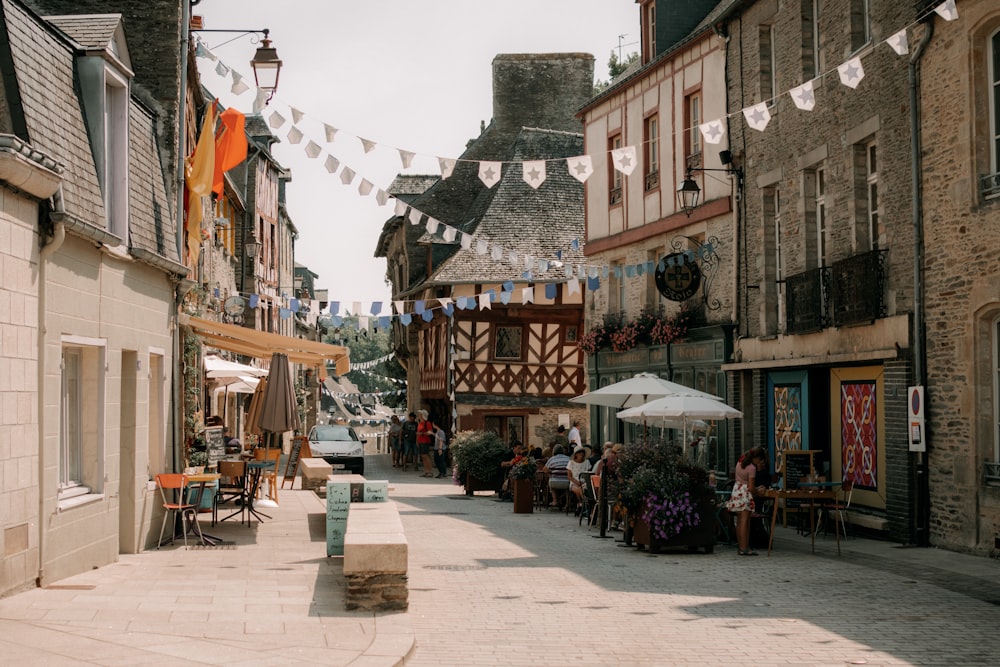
[91, 31]
[44, 65]
[53, 115]
[517, 217]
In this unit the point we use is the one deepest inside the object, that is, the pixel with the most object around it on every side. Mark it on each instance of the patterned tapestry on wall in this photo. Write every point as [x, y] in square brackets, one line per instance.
[787, 421]
[859, 434]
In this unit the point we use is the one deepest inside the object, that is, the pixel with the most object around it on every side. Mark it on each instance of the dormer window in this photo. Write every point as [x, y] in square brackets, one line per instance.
[114, 171]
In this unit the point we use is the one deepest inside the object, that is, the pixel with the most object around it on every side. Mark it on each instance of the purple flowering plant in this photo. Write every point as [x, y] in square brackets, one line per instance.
[670, 516]
[663, 487]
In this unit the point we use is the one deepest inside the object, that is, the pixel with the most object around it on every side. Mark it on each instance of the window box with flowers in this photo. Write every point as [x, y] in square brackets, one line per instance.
[668, 499]
[651, 327]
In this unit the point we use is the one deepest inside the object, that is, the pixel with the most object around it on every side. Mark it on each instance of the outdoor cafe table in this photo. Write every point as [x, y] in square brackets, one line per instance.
[810, 492]
[198, 482]
[255, 470]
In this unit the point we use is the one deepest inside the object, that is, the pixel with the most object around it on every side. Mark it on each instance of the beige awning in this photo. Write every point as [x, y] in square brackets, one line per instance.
[262, 344]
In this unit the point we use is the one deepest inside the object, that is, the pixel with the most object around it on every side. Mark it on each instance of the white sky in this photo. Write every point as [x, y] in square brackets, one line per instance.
[406, 74]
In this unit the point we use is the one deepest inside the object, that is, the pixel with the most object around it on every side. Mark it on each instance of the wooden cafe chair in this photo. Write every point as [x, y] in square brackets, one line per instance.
[176, 485]
[269, 477]
[232, 486]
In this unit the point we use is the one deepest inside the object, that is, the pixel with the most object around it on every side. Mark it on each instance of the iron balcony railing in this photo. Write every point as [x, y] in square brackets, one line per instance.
[989, 186]
[807, 301]
[851, 291]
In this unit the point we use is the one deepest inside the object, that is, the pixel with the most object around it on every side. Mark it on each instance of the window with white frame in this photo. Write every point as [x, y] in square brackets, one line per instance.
[614, 176]
[861, 27]
[811, 65]
[814, 192]
[616, 288]
[692, 119]
[651, 141]
[871, 192]
[779, 259]
[81, 432]
[994, 97]
[774, 270]
[649, 30]
[115, 167]
[768, 70]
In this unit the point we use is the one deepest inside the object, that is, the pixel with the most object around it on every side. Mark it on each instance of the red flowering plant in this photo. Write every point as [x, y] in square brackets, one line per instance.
[593, 340]
[625, 338]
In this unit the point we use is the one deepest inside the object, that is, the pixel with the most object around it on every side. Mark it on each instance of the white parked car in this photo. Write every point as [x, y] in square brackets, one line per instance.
[339, 446]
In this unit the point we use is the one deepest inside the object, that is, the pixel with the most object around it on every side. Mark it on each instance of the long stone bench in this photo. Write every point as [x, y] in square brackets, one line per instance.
[314, 473]
[375, 558]
[363, 526]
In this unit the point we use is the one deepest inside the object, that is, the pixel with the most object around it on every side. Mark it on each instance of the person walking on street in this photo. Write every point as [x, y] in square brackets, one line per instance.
[574, 435]
[440, 450]
[408, 436]
[395, 441]
[425, 440]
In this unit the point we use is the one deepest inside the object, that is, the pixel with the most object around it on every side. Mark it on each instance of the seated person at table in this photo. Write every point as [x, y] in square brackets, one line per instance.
[558, 475]
[578, 463]
[233, 444]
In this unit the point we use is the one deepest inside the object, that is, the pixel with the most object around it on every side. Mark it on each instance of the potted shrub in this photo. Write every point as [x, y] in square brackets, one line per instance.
[522, 477]
[477, 456]
[669, 501]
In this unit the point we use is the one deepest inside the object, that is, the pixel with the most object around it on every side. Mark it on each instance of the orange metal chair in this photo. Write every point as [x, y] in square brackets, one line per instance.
[270, 476]
[177, 484]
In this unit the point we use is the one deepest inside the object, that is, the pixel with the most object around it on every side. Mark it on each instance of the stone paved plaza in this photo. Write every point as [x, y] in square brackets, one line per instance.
[489, 587]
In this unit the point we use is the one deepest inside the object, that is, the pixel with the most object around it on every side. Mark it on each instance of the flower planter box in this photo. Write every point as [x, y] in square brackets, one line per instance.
[524, 496]
[701, 536]
[473, 484]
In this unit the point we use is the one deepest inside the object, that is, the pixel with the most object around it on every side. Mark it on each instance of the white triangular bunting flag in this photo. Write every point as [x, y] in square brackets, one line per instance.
[496, 252]
[947, 10]
[313, 149]
[444, 301]
[331, 164]
[447, 166]
[347, 175]
[713, 131]
[331, 133]
[512, 257]
[574, 286]
[276, 120]
[238, 86]
[406, 157]
[624, 159]
[260, 101]
[415, 216]
[899, 43]
[356, 306]
[296, 115]
[489, 173]
[365, 188]
[432, 225]
[851, 72]
[527, 295]
[382, 197]
[580, 167]
[399, 306]
[400, 208]
[466, 241]
[757, 116]
[369, 146]
[484, 302]
[534, 172]
[482, 247]
[803, 96]
[449, 234]
[221, 69]
[294, 135]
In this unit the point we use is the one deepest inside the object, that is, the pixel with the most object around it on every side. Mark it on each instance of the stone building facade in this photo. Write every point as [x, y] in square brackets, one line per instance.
[824, 279]
[960, 193]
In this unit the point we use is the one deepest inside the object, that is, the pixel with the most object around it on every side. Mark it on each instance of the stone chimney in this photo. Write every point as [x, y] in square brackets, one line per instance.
[542, 90]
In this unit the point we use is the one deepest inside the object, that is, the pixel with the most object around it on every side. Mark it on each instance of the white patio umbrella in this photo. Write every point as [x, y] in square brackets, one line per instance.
[217, 368]
[637, 390]
[687, 409]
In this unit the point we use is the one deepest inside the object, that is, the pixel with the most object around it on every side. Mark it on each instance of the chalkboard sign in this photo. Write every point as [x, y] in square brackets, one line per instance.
[215, 446]
[300, 448]
[797, 463]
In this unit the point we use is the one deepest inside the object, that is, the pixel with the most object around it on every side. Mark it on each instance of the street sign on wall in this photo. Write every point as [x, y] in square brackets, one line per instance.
[915, 420]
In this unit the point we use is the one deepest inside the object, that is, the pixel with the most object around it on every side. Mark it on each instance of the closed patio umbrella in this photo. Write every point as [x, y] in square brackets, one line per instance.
[254, 411]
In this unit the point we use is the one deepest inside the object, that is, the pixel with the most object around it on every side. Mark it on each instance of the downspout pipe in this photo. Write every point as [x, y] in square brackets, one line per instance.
[178, 378]
[921, 527]
[46, 251]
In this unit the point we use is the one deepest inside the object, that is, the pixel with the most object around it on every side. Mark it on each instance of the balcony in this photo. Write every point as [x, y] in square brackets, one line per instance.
[807, 301]
[851, 291]
[615, 196]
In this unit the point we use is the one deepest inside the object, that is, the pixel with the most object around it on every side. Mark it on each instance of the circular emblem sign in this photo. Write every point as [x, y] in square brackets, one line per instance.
[677, 277]
[234, 305]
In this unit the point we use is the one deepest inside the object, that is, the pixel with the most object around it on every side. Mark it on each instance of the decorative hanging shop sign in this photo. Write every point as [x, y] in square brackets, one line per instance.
[677, 277]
